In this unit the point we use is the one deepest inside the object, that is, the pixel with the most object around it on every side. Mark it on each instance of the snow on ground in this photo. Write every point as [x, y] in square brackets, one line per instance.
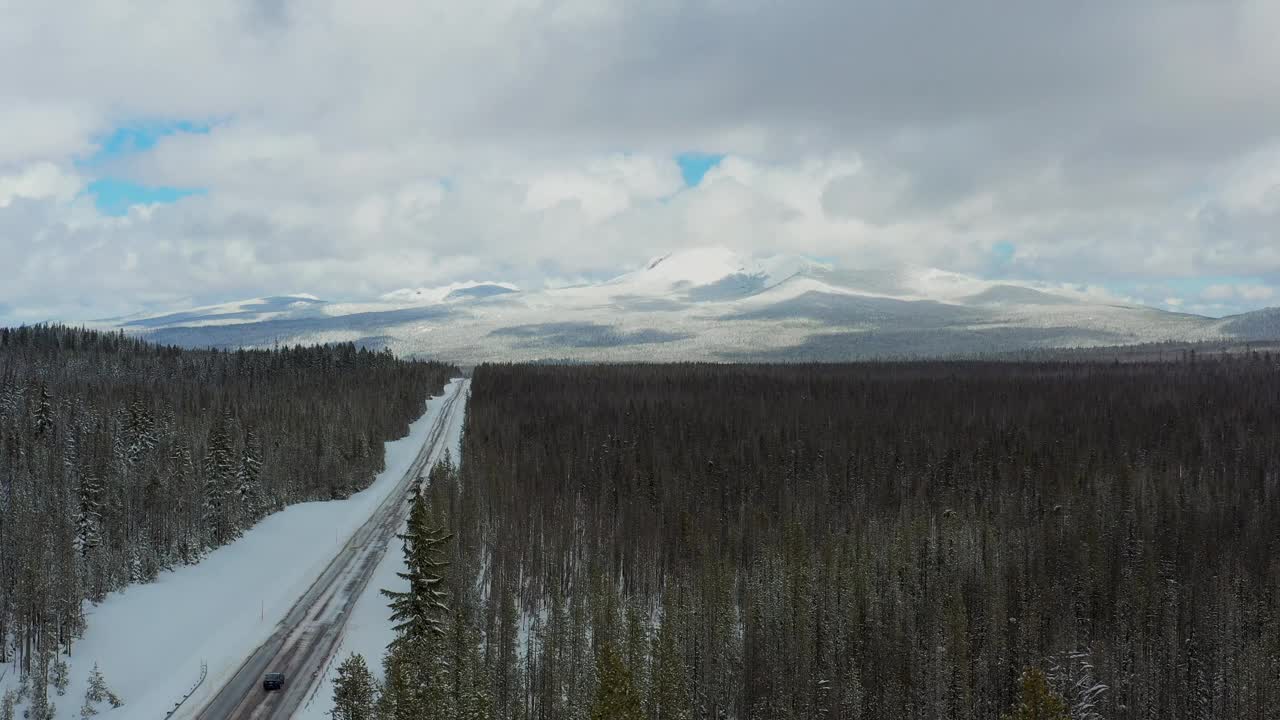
[149, 640]
[368, 630]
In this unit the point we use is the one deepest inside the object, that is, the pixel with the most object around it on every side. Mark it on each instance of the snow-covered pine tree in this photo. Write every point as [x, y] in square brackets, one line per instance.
[39, 707]
[248, 482]
[353, 690]
[188, 543]
[421, 611]
[472, 687]
[58, 675]
[141, 435]
[418, 683]
[43, 415]
[98, 692]
[88, 517]
[218, 476]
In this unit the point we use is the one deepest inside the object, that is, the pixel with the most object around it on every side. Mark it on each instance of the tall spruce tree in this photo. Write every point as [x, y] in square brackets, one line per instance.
[419, 684]
[421, 611]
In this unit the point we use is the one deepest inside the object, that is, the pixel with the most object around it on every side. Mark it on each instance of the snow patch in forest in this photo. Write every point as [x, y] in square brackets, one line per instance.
[149, 640]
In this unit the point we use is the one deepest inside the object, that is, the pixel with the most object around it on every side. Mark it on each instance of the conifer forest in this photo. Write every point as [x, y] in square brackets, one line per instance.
[120, 459]
[943, 540]
[1028, 540]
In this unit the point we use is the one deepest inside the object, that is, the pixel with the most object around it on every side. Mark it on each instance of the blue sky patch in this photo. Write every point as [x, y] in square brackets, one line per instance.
[115, 197]
[695, 165]
[140, 137]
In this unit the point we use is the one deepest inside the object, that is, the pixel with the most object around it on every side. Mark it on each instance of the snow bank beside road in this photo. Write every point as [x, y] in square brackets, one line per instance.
[149, 640]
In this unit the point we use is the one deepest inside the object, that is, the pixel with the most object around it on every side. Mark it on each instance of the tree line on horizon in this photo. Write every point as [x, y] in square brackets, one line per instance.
[120, 459]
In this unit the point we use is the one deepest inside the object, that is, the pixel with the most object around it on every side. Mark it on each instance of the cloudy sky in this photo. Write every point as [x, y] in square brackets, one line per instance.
[158, 153]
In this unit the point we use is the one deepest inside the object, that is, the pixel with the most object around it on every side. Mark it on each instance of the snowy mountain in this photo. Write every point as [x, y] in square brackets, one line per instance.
[708, 304]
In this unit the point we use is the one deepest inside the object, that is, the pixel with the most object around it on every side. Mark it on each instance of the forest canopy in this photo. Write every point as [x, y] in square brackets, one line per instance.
[914, 540]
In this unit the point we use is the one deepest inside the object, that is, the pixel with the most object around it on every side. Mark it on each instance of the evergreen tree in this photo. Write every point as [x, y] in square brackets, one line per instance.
[39, 708]
[1037, 701]
[353, 690]
[59, 676]
[616, 696]
[43, 416]
[473, 695]
[218, 476]
[141, 437]
[189, 544]
[98, 691]
[505, 669]
[88, 517]
[248, 484]
[421, 611]
[417, 683]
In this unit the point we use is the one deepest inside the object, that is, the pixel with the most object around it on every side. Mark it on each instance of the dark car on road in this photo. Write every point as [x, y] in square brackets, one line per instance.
[273, 681]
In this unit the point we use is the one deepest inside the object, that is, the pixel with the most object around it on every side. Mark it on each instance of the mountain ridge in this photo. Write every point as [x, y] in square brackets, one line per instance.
[708, 304]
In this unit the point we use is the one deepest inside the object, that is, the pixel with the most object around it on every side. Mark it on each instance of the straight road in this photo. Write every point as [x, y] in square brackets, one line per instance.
[303, 642]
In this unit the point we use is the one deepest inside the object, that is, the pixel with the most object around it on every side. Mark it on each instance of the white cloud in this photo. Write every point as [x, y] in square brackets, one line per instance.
[1255, 292]
[38, 180]
[361, 148]
[1238, 292]
[38, 131]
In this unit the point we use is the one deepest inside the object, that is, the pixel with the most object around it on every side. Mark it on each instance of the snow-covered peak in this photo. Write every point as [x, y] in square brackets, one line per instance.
[693, 266]
[778, 268]
[443, 293]
[698, 267]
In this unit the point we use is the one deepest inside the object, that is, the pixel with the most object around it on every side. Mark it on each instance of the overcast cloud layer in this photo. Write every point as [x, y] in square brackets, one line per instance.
[348, 148]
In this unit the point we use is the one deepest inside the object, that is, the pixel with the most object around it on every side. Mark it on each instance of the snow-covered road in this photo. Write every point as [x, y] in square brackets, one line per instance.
[307, 637]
